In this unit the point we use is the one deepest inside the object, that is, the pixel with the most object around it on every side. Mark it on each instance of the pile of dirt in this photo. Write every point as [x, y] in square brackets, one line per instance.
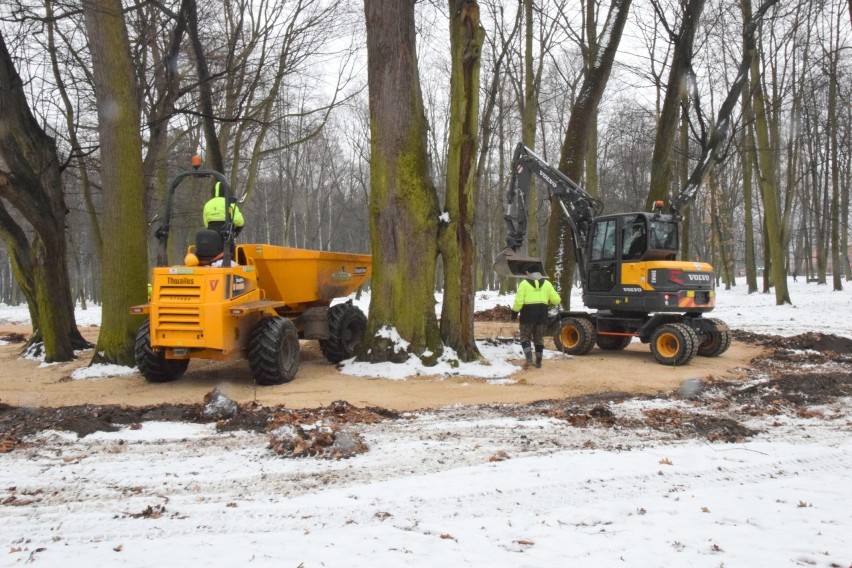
[691, 424]
[801, 389]
[13, 337]
[17, 422]
[497, 313]
[813, 341]
[592, 412]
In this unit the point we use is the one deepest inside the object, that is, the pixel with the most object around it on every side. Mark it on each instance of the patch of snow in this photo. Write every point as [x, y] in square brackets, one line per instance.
[391, 334]
[101, 371]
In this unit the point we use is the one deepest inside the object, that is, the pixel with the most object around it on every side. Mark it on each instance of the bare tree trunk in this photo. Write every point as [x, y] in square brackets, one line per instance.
[205, 89]
[559, 258]
[493, 100]
[124, 264]
[71, 124]
[834, 141]
[661, 164]
[686, 224]
[844, 205]
[404, 213]
[767, 172]
[30, 181]
[722, 221]
[456, 237]
[528, 120]
[747, 153]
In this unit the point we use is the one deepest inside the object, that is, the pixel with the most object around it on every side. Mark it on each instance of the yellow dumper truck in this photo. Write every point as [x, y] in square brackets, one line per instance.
[245, 301]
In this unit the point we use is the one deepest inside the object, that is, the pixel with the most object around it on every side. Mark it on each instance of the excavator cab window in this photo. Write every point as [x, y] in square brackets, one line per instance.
[634, 237]
[602, 263]
[664, 235]
[603, 241]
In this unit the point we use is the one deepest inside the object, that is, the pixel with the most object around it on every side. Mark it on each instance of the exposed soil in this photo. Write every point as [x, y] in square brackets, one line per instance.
[758, 375]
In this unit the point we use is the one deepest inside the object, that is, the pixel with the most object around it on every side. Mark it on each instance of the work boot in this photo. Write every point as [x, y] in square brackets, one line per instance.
[528, 354]
[538, 355]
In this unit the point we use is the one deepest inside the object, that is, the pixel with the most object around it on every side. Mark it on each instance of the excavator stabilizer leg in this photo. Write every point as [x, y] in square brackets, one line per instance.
[512, 263]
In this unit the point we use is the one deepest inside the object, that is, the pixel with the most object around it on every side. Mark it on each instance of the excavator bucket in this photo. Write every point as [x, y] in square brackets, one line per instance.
[513, 263]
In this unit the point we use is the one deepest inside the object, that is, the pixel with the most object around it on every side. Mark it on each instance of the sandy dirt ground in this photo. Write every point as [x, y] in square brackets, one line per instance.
[27, 383]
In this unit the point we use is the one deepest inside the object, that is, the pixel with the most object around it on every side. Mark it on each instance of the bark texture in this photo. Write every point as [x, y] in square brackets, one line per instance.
[676, 91]
[124, 264]
[456, 237]
[404, 212]
[559, 258]
[30, 181]
[766, 170]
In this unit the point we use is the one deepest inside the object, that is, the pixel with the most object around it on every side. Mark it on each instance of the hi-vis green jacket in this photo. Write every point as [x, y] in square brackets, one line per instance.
[533, 298]
[214, 210]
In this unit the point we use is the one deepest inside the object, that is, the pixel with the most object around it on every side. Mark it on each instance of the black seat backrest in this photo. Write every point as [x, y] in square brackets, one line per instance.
[208, 245]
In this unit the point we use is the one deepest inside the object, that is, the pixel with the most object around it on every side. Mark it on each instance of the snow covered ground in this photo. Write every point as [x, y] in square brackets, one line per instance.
[432, 489]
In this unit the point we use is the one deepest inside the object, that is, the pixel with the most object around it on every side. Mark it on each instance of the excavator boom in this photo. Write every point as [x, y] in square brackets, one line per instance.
[578, 207]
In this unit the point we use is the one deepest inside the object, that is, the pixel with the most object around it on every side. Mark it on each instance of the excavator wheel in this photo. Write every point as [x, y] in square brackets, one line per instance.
[613, 342]
[674, 344]
[575, 336]
[715, 342]
[273, 353]
[153, 366]
[346, 325]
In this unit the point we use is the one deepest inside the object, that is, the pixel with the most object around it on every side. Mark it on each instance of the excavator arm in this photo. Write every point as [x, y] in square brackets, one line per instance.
[579, 208]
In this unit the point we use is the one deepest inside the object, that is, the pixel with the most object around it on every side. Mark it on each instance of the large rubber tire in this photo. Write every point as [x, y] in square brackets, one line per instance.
[613, 342]
[153, 366]
[273, 354]
[716, 342]
[575, 335]
[346, 326]
[674, 344]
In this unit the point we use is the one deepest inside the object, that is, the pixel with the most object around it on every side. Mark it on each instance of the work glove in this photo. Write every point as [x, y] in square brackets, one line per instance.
[514, 316]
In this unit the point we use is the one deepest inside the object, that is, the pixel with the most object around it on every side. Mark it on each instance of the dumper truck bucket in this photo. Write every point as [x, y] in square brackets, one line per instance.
[512, 263]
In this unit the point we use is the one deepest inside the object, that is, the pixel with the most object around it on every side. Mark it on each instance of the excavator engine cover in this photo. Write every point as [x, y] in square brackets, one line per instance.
[513, 263]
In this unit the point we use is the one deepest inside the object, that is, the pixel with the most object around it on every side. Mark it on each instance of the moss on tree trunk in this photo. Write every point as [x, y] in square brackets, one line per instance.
[456, 236]
[404, 212]
[32, 185]
[124, 264]
[560, 259]
[767, 178]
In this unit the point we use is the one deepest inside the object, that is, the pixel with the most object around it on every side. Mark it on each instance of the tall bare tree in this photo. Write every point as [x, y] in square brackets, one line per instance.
[834, 140]
[456, 237]
[560, 245]
[766, 163]
[125, 259]
[404, 213]
[747, 149]
[676, 91]
[30, 181]
[529, 90]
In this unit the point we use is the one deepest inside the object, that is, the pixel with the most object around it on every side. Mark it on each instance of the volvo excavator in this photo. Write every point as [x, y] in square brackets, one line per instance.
[628, 271]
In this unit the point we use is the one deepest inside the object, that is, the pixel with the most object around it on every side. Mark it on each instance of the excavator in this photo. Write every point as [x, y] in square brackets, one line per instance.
[627, 267]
